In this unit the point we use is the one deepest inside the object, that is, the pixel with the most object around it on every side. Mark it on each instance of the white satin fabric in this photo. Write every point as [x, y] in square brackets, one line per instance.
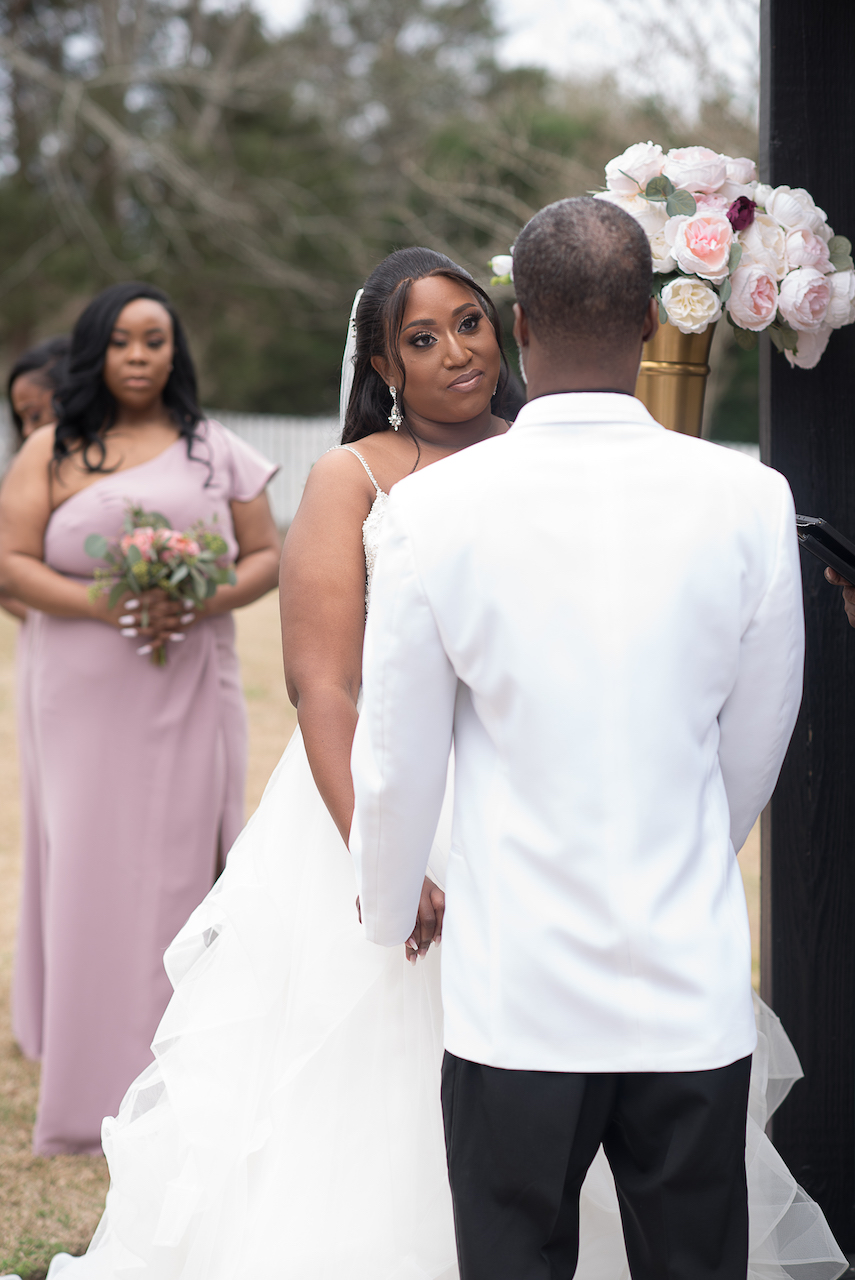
[290, 1125]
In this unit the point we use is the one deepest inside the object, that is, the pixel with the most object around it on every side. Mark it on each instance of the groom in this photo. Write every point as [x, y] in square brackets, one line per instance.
[605, 617]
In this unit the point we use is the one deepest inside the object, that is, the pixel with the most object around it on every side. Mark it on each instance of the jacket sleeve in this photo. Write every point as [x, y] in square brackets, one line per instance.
[758, 718]
[403, 739]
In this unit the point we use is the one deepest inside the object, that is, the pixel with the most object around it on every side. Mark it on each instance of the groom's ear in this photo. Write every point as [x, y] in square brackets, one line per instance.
[520, 326]
[651, 321]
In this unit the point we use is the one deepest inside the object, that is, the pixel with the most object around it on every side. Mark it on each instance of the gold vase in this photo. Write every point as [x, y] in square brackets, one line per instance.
[673, 378]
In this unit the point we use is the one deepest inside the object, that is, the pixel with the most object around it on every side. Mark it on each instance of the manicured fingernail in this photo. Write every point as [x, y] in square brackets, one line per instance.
[127, 620]
[132, 604]
[185, 618]
[129, 631]
[411, 942]
[437, 940]
[143, 650]
[188, 603]
[177, 635]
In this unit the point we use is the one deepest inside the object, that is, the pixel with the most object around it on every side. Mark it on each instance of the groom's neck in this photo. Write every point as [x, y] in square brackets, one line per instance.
[612, 371]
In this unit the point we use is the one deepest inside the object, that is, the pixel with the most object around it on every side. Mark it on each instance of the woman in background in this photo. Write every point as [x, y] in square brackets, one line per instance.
[138, 769]
[33, 380]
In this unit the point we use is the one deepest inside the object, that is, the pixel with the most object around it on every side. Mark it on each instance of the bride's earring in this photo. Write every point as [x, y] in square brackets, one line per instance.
[395, 417]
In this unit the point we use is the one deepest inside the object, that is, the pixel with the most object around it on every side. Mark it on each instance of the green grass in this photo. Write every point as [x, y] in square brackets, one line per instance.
[31, 1257]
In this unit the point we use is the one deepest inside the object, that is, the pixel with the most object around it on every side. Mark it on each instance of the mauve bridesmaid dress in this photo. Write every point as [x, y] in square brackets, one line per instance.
[133, 784]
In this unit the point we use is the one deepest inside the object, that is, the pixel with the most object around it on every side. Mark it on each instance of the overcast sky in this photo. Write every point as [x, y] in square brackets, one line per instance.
[585, 37]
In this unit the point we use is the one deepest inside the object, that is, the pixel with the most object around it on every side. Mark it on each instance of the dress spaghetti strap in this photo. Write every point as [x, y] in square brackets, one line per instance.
[358, 455]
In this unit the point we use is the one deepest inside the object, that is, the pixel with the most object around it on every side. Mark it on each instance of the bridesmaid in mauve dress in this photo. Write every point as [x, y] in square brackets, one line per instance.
[139, 769]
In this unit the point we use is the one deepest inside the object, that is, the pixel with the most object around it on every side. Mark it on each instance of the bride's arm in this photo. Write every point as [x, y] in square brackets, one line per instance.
[322, 598]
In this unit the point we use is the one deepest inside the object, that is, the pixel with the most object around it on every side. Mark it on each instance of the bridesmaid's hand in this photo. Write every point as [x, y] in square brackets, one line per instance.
[428, 921]
[164, 618]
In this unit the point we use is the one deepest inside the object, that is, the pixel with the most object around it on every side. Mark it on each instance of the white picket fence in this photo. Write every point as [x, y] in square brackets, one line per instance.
[294, 443]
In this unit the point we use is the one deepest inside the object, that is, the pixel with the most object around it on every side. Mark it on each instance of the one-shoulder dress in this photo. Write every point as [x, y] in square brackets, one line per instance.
[290, 1124]
[133, 783]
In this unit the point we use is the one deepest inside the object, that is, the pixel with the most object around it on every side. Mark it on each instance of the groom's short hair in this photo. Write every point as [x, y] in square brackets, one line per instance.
[583, 273]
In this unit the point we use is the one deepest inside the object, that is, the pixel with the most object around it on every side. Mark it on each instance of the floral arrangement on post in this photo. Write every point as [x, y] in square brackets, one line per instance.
[151, 554]
[724, 242]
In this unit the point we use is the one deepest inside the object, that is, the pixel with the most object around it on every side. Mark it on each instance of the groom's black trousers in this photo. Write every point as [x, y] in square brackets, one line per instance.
[520, 1143]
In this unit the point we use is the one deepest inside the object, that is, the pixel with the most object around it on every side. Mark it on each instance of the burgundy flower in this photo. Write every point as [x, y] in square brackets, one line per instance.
[741, 213]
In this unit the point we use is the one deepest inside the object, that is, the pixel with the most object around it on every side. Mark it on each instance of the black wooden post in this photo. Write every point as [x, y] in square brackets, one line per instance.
[808, 433]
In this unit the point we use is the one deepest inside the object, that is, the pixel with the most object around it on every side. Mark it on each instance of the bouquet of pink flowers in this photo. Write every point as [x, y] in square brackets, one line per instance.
[724, 243]
[151, 554]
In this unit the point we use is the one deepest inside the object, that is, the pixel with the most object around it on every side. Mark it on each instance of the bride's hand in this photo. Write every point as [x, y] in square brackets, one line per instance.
[428, 921]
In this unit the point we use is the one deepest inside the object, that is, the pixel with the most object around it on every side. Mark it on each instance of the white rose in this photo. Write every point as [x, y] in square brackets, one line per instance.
[660, 252]
[651, 214]
[741, 170]
[695, 168]
[811, 347]
[765, 244]
[793, 207]
[803, 299]
[701, 243]
[634, 168]
[804, 249]
[753, 302]
[733, 190]
[841, 306]
[502, 265]
[691, 305]
[762, 193]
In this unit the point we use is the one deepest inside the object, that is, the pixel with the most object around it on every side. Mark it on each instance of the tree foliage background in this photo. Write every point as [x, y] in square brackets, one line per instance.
[259, 179]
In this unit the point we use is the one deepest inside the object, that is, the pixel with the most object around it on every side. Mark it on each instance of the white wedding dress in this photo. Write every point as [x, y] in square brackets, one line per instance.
[290, 1126]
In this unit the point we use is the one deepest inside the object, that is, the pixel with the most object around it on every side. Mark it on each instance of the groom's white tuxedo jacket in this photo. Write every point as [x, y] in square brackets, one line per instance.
[606, 619]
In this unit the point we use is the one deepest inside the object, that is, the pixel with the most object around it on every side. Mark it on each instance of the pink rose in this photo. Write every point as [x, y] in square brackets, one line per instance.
[705, 200]
[177, 545]
[841, 307]
[741, 170]
[805, 249]
[695, 168]
[811, 347]
[142, 539]
[632, 169]
[804, 297]
[753, 302]
[701, 244]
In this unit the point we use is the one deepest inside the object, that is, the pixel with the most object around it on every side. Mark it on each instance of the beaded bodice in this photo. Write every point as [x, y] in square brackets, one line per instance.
[371, 525]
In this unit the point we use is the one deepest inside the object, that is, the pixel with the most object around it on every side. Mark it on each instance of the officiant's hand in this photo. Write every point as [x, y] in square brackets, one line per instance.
[428, 921]
[832, 576]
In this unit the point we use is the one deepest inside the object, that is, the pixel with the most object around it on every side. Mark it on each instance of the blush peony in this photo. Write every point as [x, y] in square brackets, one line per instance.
[633, 169]
[691, 306]
[804, 297]
[765, 244]
[811, 348]
[794, 207]
[841, 306]
[695, 168]
[701, 244]
[753, 303]
[650, 214]
[805, 249]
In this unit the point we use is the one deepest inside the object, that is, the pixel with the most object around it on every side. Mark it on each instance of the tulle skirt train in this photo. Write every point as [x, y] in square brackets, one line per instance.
[289, 1127]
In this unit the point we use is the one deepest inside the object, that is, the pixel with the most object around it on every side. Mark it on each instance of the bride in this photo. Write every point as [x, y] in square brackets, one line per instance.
[290, 1124]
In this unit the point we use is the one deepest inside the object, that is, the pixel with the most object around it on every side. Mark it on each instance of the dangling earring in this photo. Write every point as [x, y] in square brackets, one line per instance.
[395, 417]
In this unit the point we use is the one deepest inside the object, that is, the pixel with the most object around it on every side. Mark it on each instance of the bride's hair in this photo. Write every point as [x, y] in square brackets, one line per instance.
[379, 317]
[85, 407]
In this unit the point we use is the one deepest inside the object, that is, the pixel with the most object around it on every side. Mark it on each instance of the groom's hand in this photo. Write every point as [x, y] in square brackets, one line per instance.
[428, 921]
